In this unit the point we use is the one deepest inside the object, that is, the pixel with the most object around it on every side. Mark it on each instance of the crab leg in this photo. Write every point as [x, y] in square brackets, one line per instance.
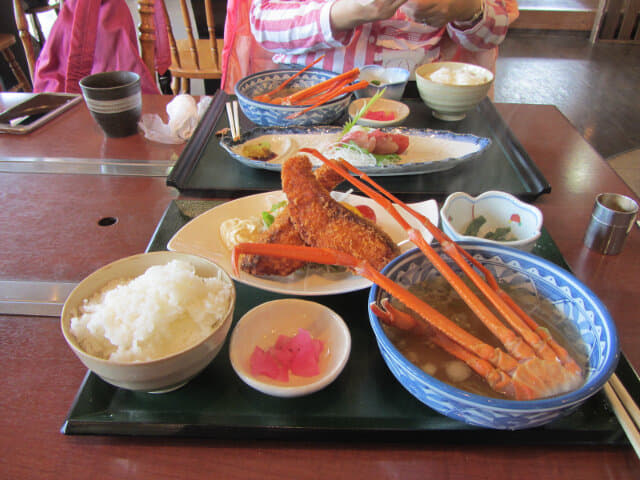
[483, 355]
[533, 378]
[497, 379]
[266, 97]
[329, 256]
[545, 340]
[544, 347]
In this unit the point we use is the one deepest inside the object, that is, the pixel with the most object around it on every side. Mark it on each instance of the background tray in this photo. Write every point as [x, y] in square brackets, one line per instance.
[365, 402]
[206, 169]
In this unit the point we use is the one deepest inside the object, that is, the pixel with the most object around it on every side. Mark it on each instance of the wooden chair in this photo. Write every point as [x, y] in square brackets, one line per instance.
[7, 40]
[21, 15]
[37, 9]
[617, 21]
[191, 58]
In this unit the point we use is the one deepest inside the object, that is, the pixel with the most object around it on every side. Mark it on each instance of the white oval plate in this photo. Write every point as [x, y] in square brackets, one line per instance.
[429, 150]
[201, 236]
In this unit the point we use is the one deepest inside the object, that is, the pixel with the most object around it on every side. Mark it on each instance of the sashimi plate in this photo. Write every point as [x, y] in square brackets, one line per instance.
[201, 236]
[428, 151]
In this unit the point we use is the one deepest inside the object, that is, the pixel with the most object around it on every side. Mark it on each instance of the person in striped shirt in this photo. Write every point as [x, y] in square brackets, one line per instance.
[392, 33]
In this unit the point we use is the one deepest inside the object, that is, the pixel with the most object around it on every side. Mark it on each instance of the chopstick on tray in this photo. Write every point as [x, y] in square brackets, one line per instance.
[234, 123]
[626, 410]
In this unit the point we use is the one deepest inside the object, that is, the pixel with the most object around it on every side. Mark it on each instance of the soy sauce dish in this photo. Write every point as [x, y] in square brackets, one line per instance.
[393, 80]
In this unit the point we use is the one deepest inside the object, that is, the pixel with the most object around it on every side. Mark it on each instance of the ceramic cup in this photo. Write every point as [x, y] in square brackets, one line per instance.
[114, 100]
[611, 220]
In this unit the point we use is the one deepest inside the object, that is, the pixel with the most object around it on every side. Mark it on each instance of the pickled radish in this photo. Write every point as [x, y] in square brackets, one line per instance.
[380, 115]
[264, 363]
[298, 354]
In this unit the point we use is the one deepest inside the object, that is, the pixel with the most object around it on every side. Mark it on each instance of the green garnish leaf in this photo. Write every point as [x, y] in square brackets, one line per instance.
[278, 206]
[499, 234]
[267, 217]
[349, 125]
[474, 226]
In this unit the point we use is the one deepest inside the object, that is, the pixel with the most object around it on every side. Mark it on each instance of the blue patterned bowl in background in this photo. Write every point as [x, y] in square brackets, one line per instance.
[267, 114]
[578, 305]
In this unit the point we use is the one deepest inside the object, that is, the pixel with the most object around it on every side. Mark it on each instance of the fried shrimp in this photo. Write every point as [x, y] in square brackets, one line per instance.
[282, 231]
[323, 222]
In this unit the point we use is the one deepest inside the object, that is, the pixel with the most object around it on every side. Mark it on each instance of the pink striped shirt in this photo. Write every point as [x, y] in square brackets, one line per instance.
[299, 31]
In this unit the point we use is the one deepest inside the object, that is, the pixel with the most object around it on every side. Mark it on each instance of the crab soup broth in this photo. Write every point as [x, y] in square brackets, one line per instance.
[434, 361]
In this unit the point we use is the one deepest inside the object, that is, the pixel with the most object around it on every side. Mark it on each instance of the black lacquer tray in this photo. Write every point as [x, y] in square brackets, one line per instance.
[364, 403]
[205, 169]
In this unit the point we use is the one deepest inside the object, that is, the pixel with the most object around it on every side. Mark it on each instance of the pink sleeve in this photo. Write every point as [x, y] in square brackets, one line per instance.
[294, 27]
[489, 31]
[241, 55]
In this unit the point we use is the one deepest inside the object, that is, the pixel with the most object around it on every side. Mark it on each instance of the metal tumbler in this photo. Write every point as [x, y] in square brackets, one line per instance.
[611, 220]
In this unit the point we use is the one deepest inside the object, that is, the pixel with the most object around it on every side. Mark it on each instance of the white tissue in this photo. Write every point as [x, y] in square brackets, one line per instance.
[184, 115]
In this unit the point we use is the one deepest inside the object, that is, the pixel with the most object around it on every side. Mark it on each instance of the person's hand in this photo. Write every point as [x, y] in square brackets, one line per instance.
[348, 14]
[440, 12]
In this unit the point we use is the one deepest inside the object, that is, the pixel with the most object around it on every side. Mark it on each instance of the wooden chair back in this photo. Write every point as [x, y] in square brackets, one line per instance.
[7, 41]
[191, 57]
[617, 21]
[21, 15]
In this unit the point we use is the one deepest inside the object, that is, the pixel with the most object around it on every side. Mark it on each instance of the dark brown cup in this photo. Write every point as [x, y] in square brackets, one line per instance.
[114, 100]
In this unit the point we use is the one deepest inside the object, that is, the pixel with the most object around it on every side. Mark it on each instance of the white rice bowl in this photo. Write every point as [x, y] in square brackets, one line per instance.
[161, 312]
[148, 322]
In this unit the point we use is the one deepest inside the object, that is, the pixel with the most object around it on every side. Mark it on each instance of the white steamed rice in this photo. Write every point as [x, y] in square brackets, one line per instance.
[161, 312]
[463, 76]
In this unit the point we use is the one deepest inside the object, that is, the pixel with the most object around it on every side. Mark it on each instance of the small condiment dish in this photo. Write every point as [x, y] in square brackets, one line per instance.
[500, 210]
[261, 327]
[399, 110]
[393, 80]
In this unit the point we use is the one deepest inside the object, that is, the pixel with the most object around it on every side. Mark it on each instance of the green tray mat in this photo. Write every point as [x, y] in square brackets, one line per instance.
[205, 169]
[365, 402]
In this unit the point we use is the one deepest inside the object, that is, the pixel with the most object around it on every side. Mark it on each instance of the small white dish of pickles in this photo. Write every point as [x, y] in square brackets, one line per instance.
[492, 217]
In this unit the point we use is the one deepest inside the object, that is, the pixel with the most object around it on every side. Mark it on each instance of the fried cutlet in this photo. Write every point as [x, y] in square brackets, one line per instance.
[282, 231]
[323, 222]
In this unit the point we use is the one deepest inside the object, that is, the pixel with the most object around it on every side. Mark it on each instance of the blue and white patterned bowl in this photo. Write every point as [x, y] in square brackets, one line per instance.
[578, 304]
[267, 114]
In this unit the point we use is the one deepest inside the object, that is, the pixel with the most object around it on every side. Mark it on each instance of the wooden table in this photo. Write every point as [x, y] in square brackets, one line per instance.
[54, 236]
[74, 143]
